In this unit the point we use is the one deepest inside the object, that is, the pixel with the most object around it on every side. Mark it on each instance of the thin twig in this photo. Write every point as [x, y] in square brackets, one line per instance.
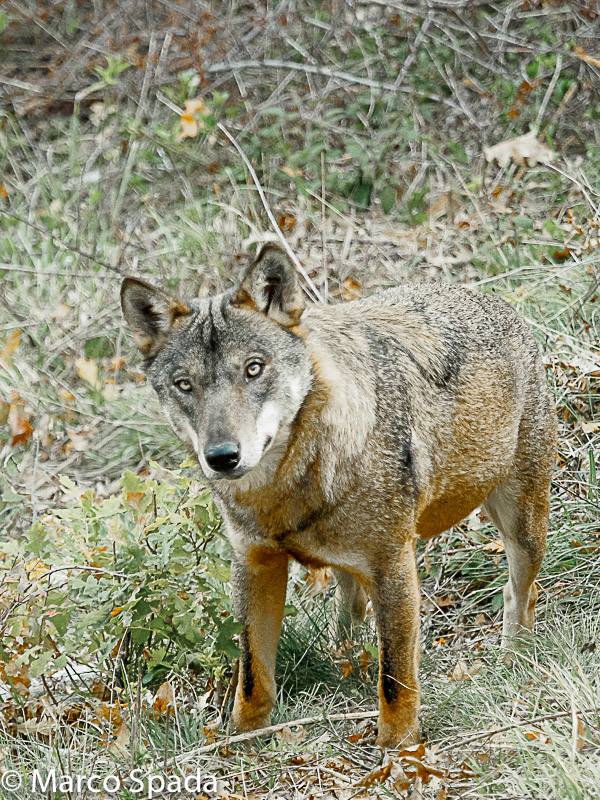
[244, 737]
[495, 731]
[549, 91]
[294, 258]
[318, 69]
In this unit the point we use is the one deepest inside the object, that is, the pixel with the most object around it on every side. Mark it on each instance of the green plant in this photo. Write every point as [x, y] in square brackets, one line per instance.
[143, 590]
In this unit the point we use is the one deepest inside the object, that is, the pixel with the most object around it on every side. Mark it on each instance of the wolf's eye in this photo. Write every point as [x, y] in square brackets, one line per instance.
[183, 384]
[254, 369]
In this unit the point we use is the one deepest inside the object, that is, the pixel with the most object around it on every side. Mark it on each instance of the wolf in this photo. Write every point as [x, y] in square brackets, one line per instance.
[338, 435]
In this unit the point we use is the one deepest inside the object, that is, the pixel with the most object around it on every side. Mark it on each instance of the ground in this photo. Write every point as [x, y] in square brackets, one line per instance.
[165, 140]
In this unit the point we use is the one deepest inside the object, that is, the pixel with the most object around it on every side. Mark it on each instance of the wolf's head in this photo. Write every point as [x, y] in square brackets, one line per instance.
[230, 371]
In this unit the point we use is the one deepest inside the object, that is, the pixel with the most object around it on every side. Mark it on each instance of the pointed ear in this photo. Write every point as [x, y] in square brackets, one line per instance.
[150, 313]
[270, 285]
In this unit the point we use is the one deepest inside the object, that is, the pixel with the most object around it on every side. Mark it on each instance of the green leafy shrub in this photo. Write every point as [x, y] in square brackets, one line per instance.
[144, 590]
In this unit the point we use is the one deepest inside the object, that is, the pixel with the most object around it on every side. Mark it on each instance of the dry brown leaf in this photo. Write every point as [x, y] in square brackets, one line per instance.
[87, 369]
[111, 713]
[121, 744]
[318, 579]
[414, 751]
[444, 600]
[15, 674]
[537, 736]
[18, 422]
[65, 396]
[211, 732]
[290, 736]
[347, 667]
[286, 221]
[378, 775]
[400, 780]
[190, 126]
[581, 53]
[524, 150]
[460, 672]
[164, 699]
[590, 427]
[579, 736]
[291, 172]
[10, 345]
[495, 546]
[365, 660]
[351, 289]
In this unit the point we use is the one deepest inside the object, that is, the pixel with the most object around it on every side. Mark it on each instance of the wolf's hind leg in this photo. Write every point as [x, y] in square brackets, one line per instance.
[519, 508]
[350, 604]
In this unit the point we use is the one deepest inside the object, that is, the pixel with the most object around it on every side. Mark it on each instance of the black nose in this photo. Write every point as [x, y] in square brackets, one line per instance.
[222, 457]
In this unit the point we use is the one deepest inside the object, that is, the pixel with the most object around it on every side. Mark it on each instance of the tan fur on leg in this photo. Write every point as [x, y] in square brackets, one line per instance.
[262, 578]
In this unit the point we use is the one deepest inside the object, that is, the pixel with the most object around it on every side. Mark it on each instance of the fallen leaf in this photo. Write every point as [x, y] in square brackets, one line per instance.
[18, 422]
[347, 668]
[121, 744]
[351, 289]
[444, 600]
[164, 699]
[581, 53]
[10, 346]
[378, 775]
[401, 781]
[365, 660]
[524, 150]
[590, 427]
[579, 736]
[65, 396]
[318, 579]
[537, 736]
[291, 172]
[290, 736]
[495, 546]
[462, 672]
[286, 221]
[190, 126]
[87, 369]
[211, 732]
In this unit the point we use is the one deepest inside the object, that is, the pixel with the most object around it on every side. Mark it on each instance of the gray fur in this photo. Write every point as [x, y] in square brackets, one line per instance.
[374, 422]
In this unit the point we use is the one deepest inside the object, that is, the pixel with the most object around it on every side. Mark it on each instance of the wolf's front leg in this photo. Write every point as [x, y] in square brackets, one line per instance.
[396, 604]
[259, 583]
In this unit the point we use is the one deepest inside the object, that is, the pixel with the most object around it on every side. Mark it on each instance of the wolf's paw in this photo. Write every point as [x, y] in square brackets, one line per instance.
[389, 737]
[245, 718]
